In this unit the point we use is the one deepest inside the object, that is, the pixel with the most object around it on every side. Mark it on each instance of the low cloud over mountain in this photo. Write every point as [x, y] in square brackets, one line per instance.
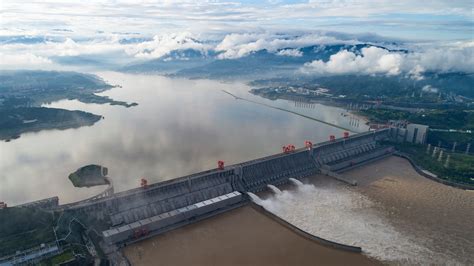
[455, 57]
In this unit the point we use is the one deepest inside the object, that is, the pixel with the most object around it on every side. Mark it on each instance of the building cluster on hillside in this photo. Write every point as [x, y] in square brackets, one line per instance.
[302, 91]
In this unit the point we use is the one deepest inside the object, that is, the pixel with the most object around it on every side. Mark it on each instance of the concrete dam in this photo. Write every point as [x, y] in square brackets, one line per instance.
[135, 214]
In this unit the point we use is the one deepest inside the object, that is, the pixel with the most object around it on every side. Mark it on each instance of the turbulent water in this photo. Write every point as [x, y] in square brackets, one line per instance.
[342, 215]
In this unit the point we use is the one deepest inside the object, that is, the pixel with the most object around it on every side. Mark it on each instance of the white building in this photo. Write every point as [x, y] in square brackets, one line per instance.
[416, 133]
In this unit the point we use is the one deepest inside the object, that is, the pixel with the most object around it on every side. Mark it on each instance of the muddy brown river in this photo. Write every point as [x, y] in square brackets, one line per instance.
[239, 237]
[397, 216]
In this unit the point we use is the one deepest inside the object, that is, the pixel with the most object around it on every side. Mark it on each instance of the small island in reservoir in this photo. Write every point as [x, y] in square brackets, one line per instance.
[89, 176]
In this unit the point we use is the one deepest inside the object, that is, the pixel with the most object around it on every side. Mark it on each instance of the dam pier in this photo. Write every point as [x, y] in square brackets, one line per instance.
[133, 215]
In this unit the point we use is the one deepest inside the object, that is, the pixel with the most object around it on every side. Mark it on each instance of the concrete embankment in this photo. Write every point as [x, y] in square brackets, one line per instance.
[432, 176]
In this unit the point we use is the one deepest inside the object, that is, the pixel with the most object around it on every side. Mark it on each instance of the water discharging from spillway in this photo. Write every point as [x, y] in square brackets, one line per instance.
[339, 214]
[256, 199]
[274, 189]
[295, 181]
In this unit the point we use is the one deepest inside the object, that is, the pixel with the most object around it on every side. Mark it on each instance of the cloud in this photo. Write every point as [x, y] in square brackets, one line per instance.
[28, 61]
[430, 89]
[151, 17]
[162, 45]
[369, 7]
[109, 49]
[68, 47]
[449, 57]
[290, 52]
[239, 45]
[373, 60]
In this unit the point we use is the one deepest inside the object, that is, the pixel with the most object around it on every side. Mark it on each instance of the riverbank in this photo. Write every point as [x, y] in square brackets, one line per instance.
[16, 121]
[242, 236]
[459, 171]
[436, 215]
[24, 92]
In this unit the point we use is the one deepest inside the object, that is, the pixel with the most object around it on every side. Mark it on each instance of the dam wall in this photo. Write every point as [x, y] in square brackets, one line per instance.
[161, 222]
[137, 204]
[359, 158]
[277, 170]
[47, 203]
[128, 213]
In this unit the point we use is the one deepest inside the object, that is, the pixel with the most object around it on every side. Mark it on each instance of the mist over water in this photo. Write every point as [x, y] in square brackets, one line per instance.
[342, 215]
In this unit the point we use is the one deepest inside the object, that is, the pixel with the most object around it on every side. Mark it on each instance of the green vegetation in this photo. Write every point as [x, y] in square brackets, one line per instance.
[24, 228]
[89, 176]
[23, 92]
[15, 121]
[460, 169]
[447, 139]
[399, 90]
[439, 119]
[58, 259]
[33, 88]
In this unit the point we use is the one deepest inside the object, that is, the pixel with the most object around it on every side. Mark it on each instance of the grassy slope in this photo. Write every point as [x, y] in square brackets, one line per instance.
[23, 228]
[461, 166]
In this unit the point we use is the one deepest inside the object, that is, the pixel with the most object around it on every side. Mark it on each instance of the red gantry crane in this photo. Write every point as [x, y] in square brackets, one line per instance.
[220, 165]
[288, 148]
[346, 135]
[144, 183]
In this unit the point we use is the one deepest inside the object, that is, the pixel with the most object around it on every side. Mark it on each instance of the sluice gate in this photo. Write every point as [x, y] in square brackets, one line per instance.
[155, 208]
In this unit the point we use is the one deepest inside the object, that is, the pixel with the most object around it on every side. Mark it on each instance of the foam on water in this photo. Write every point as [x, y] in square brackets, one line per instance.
[341, 215]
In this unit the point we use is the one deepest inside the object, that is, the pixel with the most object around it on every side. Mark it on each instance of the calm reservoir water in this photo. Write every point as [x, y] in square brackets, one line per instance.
[179, 127]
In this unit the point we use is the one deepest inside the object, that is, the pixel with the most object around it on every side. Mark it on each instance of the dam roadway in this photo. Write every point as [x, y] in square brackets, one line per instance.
[132, 215]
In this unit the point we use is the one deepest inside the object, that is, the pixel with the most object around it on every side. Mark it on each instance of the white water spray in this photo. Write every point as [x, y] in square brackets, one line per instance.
[295, 181]
[256, 199]
[274, 189]
[339, 214]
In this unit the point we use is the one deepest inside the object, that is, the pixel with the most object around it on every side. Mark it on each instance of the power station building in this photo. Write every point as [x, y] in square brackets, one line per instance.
[416, 133]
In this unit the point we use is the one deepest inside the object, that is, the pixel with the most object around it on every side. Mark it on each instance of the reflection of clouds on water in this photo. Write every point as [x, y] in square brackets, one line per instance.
[345, 216]
[179, 127]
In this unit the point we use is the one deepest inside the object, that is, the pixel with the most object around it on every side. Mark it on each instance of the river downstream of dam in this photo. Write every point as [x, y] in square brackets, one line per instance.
[395, 215]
